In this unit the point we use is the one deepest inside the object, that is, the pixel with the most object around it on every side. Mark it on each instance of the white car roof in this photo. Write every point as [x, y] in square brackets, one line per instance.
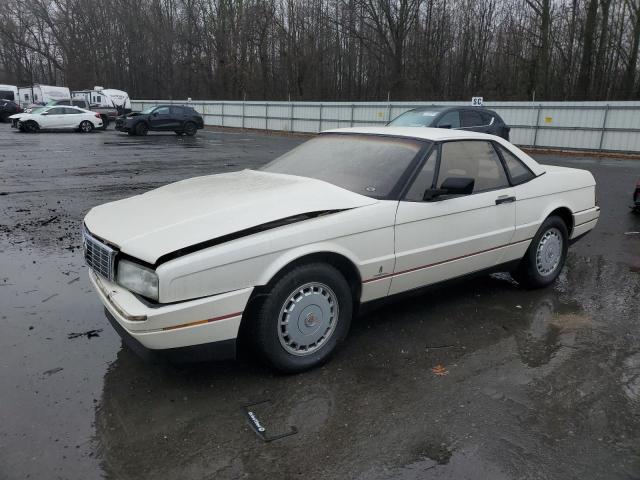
[441, 134]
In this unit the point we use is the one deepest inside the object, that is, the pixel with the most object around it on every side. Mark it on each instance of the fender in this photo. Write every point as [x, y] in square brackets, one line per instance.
[290, 256]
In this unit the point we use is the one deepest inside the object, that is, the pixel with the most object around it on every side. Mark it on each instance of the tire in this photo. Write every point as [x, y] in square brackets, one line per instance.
[131, 133]
[178, 132]
[190, 129]
[546, 255]
[325, 307]
[31, 127]
[141, 129]
[86, 126]
[105, 122]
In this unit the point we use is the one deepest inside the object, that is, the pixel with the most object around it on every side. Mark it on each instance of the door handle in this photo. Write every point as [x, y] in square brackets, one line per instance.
[505, 199]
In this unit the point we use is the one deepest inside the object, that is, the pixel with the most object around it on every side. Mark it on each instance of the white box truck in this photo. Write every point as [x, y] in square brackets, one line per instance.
[42, 94]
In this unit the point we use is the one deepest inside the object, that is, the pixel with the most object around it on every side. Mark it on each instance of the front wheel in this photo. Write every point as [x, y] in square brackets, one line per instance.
[86, 126]
[142, 129]
[31, 127]
[303, 318]
[546, 255]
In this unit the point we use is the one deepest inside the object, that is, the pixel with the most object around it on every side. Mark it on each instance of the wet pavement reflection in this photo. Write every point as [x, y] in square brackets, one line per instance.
[533, 384]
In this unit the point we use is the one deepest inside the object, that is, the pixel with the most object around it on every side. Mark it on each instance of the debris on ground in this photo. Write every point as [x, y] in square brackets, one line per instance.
[440, 370]
[50, 297]
[88, 334]
[53, 371]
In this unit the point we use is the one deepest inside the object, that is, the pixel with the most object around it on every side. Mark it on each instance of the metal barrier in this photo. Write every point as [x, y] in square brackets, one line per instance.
[597, 126]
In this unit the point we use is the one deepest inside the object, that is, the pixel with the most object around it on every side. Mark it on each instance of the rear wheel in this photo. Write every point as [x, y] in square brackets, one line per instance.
[546, 255]
[190, 129]
[303, 318]
[142, 129]
[86, 126]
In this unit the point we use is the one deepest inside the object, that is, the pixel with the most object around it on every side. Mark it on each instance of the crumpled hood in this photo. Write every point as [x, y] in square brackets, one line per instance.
[199, 209]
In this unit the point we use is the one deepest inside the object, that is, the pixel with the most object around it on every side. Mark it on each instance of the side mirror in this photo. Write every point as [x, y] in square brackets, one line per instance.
[451, 186]
[444, 125]
[154, 114]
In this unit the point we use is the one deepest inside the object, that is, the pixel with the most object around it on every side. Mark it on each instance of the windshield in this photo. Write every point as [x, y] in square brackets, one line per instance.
[39, 109]
[370, 165]
[148, 110]
[415, 118]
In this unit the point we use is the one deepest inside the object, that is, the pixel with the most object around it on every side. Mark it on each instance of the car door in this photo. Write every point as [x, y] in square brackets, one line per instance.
[74, 117]
[160, 119]
[450, 236]
[54, 118]
[177, 118]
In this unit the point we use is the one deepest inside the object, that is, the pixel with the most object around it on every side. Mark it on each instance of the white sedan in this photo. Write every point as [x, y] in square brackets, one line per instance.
[283, 256]
[57, 118]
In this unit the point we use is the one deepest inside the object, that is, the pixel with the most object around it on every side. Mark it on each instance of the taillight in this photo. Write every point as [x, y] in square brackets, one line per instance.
[638, 183]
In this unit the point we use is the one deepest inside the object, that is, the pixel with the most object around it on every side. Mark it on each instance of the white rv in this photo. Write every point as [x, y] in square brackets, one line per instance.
[42, 94]
[9, 92]
[106, 97]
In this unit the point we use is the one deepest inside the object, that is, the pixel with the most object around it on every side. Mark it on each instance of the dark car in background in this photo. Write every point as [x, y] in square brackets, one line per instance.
[161, 118]
[8, 108]
[636, 197]
[476, 119]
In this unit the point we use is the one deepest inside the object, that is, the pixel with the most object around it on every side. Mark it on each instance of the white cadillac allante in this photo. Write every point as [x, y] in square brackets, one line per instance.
[284, 255]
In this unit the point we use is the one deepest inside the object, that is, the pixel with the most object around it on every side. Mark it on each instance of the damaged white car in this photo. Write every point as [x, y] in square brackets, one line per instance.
[284, 255]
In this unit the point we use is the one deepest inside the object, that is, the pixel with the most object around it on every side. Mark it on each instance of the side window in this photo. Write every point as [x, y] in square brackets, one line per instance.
[517, 170]
[424, 180]
[162, 111]
[56, 111]
[177, 111]
[451, 118]
[72, 111]
[487, 118]
[471, 119]
[473, 159]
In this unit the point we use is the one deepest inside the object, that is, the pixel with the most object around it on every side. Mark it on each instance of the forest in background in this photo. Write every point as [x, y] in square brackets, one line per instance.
[342, 50]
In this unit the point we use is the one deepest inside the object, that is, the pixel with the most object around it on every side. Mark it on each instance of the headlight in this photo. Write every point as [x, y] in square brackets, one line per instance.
[138, 279]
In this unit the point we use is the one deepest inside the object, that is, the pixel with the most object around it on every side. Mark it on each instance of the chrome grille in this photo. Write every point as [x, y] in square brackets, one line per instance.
[99, 257]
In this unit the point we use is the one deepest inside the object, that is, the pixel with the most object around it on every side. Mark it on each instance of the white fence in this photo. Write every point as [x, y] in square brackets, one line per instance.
[598, 126]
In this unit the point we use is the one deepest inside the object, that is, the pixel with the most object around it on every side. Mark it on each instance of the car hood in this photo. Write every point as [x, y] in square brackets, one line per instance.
[200, 209]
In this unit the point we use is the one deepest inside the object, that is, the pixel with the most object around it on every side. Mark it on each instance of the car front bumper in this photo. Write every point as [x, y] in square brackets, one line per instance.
[208, 321]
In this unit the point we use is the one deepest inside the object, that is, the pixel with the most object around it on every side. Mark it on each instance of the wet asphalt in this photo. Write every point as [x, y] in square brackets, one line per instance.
[476, 379]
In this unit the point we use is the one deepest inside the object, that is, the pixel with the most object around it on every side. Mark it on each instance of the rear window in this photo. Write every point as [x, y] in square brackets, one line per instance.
[7, 95]
[518, 171]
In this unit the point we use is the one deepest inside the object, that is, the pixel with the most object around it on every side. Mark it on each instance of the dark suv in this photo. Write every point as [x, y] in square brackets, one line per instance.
[161, 118]
[476, 119]
[8, 108]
